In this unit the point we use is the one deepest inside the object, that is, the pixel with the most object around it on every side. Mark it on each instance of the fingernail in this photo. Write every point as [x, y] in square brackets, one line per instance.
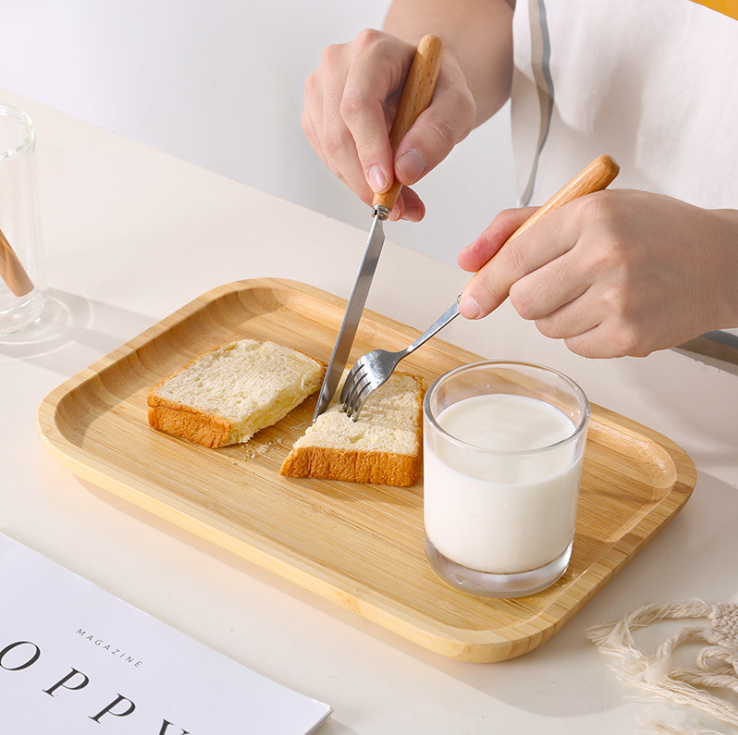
[469, 308]
[377, 180]
[412, 166]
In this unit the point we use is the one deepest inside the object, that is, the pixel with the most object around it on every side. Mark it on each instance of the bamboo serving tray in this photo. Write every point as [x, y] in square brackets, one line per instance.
[359, 545]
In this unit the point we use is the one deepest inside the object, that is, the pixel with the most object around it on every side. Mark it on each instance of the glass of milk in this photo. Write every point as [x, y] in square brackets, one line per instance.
[503, 450]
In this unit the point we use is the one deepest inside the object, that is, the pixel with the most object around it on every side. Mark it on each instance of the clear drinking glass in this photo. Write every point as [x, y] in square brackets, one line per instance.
[21, 280]
[503, 451]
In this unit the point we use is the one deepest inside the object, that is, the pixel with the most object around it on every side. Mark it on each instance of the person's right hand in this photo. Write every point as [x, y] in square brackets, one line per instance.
[350, 101]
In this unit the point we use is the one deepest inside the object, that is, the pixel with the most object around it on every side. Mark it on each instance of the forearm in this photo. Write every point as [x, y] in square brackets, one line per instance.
[478, 33]
[727, 311]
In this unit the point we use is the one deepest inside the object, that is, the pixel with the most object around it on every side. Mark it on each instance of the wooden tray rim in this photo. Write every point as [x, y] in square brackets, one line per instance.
[450, 641]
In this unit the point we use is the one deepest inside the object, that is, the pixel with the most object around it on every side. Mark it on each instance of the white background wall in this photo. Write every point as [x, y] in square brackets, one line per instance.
[220, 84]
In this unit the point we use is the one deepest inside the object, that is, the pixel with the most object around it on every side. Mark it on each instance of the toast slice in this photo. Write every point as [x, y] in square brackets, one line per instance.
[225, 396]
[383, 446]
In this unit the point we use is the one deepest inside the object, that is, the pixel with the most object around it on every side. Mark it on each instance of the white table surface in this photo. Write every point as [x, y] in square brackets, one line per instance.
[132, 234]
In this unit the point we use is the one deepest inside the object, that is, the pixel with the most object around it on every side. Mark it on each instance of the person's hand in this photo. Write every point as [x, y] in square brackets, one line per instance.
[613, 273]
[350, 102]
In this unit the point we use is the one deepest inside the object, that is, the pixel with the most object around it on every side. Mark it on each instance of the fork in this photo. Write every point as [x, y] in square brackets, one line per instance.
[375, 368]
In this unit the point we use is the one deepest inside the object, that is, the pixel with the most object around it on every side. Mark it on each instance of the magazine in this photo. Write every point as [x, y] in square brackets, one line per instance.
[75, 659]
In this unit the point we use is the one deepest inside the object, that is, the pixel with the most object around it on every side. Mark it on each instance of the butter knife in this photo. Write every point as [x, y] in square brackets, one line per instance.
[416, 96]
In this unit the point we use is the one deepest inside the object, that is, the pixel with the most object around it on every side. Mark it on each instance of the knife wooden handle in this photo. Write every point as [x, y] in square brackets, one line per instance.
[12, 271]
[598, 175]
[416, 96]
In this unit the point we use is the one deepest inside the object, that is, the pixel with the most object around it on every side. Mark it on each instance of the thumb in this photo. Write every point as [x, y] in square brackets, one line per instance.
[444, 123]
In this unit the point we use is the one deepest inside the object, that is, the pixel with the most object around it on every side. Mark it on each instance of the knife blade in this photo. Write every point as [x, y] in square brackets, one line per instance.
[416, 96]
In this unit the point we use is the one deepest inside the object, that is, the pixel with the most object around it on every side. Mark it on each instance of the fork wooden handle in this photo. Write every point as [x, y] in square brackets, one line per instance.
[416, 96]
[595, 177]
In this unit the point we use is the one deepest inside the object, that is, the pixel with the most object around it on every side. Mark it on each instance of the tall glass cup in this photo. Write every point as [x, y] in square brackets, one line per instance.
[21, 281]
[503, 451]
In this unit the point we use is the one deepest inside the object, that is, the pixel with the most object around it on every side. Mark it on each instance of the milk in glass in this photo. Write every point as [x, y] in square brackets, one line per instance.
[510, 507]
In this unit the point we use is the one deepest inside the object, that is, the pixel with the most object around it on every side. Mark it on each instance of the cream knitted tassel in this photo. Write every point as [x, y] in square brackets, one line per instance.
[656, 675]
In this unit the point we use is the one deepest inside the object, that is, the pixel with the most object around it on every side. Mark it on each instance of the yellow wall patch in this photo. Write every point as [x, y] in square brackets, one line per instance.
[726, 7]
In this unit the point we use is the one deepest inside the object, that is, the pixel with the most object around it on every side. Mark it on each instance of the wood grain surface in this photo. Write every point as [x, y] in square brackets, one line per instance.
[358, 545]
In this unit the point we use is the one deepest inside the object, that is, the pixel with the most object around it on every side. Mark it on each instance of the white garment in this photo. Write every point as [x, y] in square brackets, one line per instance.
[653, 83]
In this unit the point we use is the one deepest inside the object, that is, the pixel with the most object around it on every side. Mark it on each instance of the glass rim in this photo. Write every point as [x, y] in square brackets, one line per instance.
[576, 389]
[25, 119]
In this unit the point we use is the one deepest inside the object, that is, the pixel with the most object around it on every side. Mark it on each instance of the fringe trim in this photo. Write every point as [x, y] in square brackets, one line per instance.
[659, 677]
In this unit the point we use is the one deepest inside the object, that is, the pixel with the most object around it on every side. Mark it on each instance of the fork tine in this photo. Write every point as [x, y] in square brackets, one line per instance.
[352, 410]
[375, 368]
[368, 387]
[353, 376]
[353, 401]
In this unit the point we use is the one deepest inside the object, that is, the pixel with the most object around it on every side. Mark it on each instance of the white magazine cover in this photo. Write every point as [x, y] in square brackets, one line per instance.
[75, 659]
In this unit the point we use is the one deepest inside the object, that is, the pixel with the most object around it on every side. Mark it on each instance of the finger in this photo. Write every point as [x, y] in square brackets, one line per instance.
[525, 253]
[479, 252]
[602, 342]
[409, 206]
[570, 320]
[592, 344]
[313, 137]
[447, 121]
[323, 119]
[374, 86]
[322, 125]
[372, 93]
[591, 327]
[615, 333]
[364, 117]
[308, 127]
[584, 328]
[312, 113]
[377, 71]
[557, 284]
[339, 147]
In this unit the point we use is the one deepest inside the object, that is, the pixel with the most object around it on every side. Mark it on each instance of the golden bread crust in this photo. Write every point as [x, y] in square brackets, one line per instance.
[194, 426]
[379, 468]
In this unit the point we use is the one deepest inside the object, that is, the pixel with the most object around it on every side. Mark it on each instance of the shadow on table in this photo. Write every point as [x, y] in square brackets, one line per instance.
[55, 340]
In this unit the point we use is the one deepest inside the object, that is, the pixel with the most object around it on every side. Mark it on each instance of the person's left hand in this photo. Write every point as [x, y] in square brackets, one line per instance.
[612, 273]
